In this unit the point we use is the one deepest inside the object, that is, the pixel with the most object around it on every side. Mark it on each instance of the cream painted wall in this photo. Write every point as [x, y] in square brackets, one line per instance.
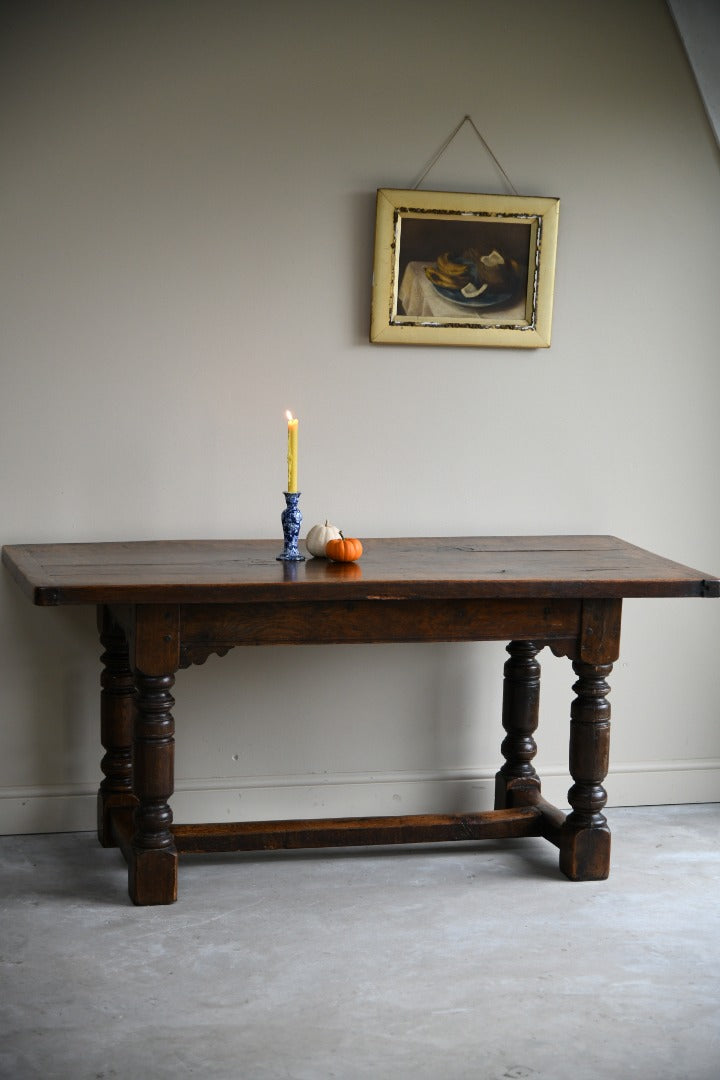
[187, 196]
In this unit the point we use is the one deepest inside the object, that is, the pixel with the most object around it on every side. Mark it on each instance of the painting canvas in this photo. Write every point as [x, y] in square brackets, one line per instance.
[463, 269]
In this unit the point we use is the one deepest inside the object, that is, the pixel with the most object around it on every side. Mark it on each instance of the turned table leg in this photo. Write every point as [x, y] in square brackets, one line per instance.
[521, 702]
[117, 713]
[585, 837]
[153, 858]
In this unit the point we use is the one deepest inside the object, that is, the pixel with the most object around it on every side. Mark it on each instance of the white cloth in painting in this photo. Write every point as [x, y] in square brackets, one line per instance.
[420, 299]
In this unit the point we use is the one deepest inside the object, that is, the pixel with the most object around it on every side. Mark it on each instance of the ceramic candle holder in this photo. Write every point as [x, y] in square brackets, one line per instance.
[291, 521]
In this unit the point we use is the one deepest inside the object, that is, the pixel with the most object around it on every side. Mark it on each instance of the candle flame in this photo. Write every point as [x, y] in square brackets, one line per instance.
[288, 414]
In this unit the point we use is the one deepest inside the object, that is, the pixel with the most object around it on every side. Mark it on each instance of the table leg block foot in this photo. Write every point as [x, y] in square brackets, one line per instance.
[105, 806]
[511, 793]
[152, 877]
[585, 853]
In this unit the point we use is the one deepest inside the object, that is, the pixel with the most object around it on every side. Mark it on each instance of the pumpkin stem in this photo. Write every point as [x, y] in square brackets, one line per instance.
[341, 534]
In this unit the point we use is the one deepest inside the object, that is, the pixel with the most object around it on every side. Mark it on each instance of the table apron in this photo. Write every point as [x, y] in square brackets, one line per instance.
[377, 620]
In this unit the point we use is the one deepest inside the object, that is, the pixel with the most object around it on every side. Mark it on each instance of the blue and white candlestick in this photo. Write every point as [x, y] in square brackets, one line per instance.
[291, 521]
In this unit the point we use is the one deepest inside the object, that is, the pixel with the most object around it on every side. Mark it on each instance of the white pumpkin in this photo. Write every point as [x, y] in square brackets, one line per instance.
[318, 537]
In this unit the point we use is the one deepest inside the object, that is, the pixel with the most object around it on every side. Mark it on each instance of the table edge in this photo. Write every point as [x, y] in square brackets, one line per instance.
[43, 590]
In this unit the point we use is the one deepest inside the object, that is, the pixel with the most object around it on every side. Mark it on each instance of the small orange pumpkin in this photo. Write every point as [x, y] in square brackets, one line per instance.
[344, 549]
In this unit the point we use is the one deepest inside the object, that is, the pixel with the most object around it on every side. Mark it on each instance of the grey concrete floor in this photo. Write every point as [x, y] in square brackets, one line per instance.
[428, 963]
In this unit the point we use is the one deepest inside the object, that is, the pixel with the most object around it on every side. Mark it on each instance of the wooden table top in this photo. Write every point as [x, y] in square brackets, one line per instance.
[235, 571]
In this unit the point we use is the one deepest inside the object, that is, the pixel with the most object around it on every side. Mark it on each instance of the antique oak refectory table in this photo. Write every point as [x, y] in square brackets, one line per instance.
[165, 605]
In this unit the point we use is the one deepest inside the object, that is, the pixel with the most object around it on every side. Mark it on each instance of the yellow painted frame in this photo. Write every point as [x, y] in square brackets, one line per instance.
[485, 327]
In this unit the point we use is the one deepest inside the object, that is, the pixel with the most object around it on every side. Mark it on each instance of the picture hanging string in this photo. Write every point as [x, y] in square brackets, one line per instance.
[451, 136]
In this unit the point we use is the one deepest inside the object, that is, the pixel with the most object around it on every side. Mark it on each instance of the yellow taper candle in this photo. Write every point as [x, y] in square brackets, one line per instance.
[292, 451]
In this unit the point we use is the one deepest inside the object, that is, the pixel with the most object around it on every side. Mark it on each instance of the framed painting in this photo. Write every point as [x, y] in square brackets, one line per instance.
[453, 268]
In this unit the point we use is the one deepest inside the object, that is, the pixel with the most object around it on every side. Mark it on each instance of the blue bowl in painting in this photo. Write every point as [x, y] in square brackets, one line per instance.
[474, 280]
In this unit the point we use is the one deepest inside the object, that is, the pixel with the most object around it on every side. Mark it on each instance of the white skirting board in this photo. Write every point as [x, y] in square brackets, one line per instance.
[71, 808]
